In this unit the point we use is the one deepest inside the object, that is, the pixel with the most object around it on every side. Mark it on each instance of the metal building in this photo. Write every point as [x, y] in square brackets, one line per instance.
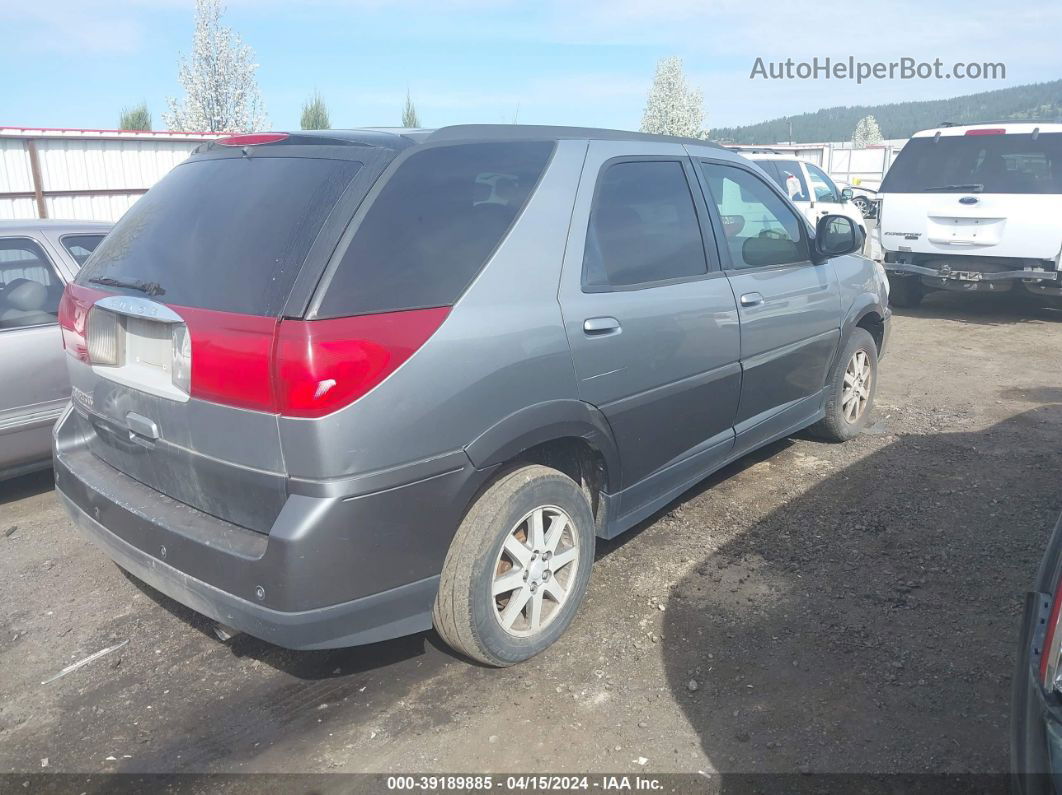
[84, 174]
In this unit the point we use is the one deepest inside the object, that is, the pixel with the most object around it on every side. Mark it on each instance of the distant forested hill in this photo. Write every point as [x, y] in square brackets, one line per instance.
[901, 119]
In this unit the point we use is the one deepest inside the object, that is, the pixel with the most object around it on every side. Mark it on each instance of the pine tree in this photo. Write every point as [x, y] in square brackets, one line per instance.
[220, 90]
[673, 108]
[409, 113]
[315, 114]
[137, 117]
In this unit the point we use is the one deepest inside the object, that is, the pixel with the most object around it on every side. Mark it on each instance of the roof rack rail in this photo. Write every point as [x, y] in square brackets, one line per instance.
[998, 121]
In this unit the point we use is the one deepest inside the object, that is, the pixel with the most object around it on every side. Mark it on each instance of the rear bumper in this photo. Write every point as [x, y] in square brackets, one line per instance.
[337, 570]
[971, 276]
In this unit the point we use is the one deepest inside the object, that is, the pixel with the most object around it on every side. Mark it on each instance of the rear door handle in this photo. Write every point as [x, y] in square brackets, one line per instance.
[600, 326]
[751, 299]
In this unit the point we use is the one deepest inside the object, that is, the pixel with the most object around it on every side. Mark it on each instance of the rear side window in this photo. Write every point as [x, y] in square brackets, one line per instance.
[227, 234]
[433, 226]
[790, 178]
[80, 246]
[1009, 163]
[643, 227]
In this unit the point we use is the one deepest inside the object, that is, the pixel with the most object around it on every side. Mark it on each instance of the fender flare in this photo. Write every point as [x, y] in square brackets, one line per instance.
[546, 422]
[863, 305]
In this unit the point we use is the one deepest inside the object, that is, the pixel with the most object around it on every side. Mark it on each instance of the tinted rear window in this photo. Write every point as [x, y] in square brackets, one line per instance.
[433, 226]
[972, 163]
[81, 246]
[227, 234]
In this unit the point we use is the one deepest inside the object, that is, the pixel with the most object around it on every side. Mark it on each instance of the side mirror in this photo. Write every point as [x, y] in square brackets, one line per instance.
[847, 194]
[836, 235]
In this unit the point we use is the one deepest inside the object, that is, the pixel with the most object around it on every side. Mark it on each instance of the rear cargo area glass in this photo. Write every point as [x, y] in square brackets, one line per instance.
[433, 225]
[1010, 163]
[228, 234]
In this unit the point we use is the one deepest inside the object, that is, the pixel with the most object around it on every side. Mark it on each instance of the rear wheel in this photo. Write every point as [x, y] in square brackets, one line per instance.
[852, 390]
[518, 567]
[905, 291]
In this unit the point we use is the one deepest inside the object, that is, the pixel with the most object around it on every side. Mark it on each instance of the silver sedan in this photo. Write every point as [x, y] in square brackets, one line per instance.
[37, 259]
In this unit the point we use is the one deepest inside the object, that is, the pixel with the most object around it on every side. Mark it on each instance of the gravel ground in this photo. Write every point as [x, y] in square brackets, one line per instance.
[813, 607]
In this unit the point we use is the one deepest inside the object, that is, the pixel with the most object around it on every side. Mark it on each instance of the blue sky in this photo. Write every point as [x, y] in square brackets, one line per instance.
[76, 63]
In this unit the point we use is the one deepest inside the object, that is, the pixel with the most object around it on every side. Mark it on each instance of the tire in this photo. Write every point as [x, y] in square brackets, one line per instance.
[837, 426]
[468, 615]
[905, 292]
[862, 205]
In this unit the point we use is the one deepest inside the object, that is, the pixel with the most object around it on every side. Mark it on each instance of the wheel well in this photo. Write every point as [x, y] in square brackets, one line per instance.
[574, 457]
[874, 324]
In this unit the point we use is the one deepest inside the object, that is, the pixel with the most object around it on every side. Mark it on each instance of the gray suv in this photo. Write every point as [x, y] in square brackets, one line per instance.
[331, 388]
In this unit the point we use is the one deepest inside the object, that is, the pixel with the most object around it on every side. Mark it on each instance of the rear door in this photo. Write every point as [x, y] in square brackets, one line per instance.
[649, 316]
[33, 380]
[789, 308]
[186, 294]
[982, 191]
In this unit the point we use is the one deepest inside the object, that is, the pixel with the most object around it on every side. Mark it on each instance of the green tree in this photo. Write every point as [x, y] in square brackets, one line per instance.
[137, 117]
[409, 113]
[315, 114]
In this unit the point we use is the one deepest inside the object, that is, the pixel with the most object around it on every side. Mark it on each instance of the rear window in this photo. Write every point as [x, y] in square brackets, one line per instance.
[81, 246]
[225, 234]
[978, 163]
[433, 226]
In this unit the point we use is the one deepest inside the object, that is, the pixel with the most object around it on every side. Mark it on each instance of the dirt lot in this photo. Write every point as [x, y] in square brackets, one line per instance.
[813, 607]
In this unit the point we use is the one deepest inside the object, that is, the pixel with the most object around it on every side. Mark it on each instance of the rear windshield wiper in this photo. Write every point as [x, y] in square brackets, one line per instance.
[150, 288]
[975, 187]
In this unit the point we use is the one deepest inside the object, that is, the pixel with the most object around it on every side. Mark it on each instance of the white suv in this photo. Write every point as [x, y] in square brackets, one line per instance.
[810, 188]
[974, 208]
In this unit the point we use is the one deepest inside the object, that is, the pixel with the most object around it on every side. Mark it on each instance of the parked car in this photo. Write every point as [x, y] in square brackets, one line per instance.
[1036, 702]
[397, 380]
[863, 198]
[37, 258]
[974, 208]
[810, 188]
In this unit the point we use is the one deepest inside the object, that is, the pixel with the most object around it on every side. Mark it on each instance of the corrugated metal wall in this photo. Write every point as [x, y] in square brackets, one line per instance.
[83, 175]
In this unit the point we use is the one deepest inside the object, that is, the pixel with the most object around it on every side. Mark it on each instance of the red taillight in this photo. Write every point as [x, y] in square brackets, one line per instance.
[73, 315]
[231, 357]
[251, 139]
[1049, 654]
[987, 131]
[299, 368]
[323, 365]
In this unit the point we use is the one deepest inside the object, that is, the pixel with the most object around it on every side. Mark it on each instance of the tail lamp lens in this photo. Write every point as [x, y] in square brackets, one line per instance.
[104, 337]
[323, 365]
[73, 312]
[1050, 669]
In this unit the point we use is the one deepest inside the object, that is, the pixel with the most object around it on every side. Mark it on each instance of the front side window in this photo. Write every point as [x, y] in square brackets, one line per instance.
[433, 226]
[80, 246]
[824, 188]
[643, 227]
[760, 229]
[29, 289]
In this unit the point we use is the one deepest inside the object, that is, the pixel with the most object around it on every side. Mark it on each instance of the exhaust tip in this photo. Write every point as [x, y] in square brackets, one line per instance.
[224, 633]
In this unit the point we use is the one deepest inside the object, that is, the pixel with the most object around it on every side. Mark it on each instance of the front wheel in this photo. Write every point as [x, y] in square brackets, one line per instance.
[518, 567]
[852, 390]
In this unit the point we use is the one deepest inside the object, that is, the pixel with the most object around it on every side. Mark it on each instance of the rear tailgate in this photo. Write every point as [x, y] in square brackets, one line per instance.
[983, 191]
[172, 321]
